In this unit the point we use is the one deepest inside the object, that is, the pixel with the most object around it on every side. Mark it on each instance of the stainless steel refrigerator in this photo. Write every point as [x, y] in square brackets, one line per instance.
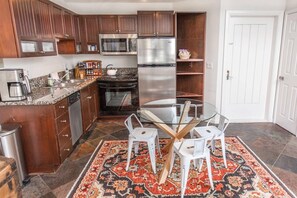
[156, 60]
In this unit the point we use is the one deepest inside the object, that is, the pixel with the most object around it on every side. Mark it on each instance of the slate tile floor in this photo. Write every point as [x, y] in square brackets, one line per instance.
[274, 145]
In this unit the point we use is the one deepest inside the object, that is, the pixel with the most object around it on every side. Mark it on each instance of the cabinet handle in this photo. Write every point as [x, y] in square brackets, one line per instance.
[61, 107]
[119, 30]
[89, 97]
[66, 135]
[66, 35]
[67, 149]
[64, 121]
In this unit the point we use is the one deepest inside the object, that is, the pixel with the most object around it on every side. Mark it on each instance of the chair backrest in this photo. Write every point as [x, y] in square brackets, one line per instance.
[199, 146]
[223, 123]
[129, 124]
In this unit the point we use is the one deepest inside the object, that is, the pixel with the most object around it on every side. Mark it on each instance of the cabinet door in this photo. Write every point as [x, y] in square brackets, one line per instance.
[109, 24]
[127, 24]
[24, 19]
[77, 29]
[43, 19]
[146, 23]
[68, 24]
[94, 101]
[91, 34]
[57, 18]
[85, 111]
[164, 23]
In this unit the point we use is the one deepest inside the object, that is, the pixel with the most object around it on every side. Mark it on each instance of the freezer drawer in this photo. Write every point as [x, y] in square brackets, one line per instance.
[156, 83]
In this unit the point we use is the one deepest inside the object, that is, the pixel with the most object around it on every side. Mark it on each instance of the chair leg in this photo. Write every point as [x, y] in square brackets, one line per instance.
[136, 147]
[192, 133]
[158, 145]
[172, 162]
[151, 148]
[209, 170]
[213, 145]
[130, 145]
[224, 151]
[185, 166]
[200, 164]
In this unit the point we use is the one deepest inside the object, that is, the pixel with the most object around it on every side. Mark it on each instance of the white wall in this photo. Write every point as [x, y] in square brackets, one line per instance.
[291, 4]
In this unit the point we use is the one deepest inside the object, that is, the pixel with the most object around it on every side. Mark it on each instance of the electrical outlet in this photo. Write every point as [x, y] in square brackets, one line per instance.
[209, 65]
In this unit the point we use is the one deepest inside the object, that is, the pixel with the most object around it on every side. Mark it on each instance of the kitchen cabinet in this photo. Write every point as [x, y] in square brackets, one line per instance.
[89, 105]
[90, 30]
[155, 23]
[190, 72]
[57, 21]
[77, 33]
[26, 33]
[68, 24]
[115, 24]
[45, 134]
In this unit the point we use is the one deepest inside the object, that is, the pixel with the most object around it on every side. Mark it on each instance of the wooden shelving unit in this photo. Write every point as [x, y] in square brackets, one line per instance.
[190, 35]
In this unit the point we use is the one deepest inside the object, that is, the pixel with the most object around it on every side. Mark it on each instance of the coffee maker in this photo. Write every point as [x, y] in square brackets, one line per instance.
[13, 85]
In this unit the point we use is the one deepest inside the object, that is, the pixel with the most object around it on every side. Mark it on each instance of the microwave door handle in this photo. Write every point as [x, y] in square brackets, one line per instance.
[106, 87]
[128, 46]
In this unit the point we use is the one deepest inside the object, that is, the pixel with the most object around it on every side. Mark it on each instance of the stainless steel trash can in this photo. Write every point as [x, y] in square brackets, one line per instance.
[11, 146]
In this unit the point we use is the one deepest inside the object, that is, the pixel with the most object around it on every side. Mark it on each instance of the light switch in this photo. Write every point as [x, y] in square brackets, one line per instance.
[209, 65]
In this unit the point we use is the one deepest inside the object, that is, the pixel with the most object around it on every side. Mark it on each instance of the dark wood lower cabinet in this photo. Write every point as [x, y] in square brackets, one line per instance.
[89, 105]
[45, 134]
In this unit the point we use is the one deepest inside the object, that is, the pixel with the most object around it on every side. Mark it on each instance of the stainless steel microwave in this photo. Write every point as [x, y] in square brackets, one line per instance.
[118, 44]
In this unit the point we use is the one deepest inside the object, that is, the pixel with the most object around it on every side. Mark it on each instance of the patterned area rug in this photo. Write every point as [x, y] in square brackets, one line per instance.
[246, 175]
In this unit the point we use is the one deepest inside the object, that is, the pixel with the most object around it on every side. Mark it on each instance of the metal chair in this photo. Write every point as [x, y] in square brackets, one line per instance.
[188, 150]
[141, 134]
[210, 131]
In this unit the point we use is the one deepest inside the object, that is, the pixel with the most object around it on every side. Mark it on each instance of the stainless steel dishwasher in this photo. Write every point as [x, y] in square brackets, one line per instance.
[75, 118]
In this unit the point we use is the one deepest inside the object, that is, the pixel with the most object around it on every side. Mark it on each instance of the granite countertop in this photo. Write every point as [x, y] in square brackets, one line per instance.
[51, 95]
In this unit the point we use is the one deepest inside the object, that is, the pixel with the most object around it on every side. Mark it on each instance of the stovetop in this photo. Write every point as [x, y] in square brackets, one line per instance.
[119, 78]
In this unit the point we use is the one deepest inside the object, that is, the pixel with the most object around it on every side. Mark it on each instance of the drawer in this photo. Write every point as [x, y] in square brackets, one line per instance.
[64, 137]
[61, 107]
[62, 122]
[65, 150]
[84, 92]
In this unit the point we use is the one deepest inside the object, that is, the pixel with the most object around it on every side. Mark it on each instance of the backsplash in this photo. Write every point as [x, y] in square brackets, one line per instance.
[42, 80]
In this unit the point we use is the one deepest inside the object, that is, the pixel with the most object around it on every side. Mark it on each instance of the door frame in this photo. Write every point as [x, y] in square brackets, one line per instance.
[276, 47]
[281, 56]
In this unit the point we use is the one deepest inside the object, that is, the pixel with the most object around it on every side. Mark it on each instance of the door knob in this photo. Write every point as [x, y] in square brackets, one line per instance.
[281, 78]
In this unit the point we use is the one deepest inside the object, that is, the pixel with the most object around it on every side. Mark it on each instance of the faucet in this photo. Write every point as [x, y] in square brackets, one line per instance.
[66, 75]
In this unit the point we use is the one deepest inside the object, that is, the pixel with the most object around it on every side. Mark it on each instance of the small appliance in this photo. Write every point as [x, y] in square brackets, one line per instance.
[13, 85]
[118, 44]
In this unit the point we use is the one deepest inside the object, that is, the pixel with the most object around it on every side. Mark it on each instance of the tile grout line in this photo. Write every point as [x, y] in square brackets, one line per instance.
[280, 154]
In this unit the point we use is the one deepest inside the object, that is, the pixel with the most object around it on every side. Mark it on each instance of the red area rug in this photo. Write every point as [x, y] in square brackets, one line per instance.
[246, 175]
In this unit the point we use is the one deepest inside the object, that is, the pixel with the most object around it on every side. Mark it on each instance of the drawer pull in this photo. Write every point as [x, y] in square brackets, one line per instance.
[62, 107]
[89, 97]
[67, 149]
[66, 135]
[64, 121]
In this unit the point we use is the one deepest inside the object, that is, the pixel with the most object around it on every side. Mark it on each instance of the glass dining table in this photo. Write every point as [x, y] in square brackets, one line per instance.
[176, 117]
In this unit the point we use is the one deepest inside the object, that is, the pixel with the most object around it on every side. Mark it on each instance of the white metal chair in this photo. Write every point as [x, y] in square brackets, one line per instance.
[188, 150]
[210, 131]
[141, 134]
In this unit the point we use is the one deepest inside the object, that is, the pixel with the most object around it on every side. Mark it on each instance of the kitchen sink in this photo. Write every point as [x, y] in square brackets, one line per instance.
[69, 83]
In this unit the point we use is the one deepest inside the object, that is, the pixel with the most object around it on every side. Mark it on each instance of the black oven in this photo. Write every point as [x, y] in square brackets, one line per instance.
[118, 98]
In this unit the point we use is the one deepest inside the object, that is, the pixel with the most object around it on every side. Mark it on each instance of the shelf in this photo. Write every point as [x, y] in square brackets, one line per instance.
[190, 60]
[188, 73]
[182, 94]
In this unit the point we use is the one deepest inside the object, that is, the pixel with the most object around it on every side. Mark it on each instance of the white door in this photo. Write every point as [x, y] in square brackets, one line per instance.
[286, 113]
[247, 61]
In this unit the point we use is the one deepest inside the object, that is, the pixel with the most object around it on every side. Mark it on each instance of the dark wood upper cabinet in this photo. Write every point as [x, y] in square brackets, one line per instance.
[24, 19]
[77, 28]
[159, 23]
[165, 23]
[114, 24]
[68, 24]
[43, 19]
[90, 34]
[146, 23]
[127, 24]
[108, 24]
[58, 22]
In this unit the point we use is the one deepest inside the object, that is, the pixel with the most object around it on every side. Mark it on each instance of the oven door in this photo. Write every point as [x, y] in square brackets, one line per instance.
[118, 98]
